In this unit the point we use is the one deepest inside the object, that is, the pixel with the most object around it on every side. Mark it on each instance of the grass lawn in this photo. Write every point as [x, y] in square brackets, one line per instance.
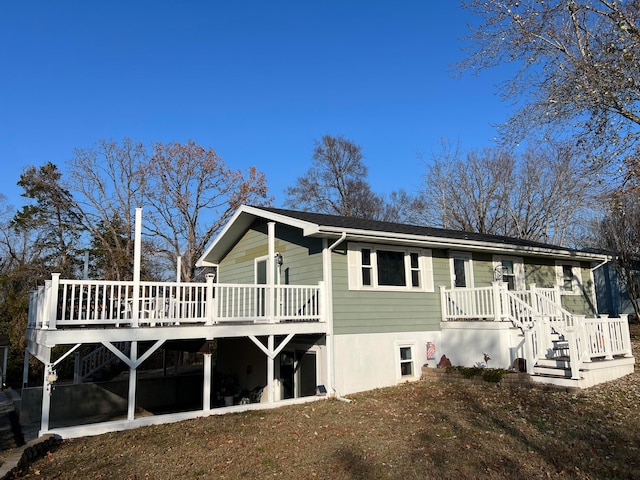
[415, 431]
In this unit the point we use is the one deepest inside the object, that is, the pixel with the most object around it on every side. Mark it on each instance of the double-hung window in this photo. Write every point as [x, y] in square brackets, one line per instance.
[406, 361]
[568, 277]
[509, 270]
[389, 268]
[461, 270]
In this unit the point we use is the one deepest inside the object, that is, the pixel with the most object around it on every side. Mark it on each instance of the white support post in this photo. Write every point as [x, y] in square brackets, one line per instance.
[443, 303]
[626, 337]
[271, 231]
[606, 330]
[210, 301]
[572, 338]
[52, 313]
[137, 254]
[178, 269]
[25, 369]
[76, 368]
[270, 369]
[47, 390]
[133, 380]
[497, 301]
[206, 383]
[533, 298]
[582, 338]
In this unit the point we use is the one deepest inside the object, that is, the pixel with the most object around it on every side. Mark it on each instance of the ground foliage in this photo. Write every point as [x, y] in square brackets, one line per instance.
[421, 431]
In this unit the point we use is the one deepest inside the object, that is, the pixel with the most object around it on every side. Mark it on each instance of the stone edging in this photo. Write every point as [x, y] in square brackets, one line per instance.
[515, 379]
[21, 457]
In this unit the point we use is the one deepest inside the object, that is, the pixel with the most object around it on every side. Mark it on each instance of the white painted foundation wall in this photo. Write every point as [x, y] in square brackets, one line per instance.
[465, 344]
[369, 361]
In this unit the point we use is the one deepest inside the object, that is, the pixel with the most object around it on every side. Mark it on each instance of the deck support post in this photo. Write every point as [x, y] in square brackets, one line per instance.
[47, 390]
[25, 369]
[271, 370]
[206, 383]
[133, 374]
[77, 368]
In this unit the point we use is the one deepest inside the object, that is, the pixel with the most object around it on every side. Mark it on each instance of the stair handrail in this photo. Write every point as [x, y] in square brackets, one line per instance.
[104, 357]
[569, 326]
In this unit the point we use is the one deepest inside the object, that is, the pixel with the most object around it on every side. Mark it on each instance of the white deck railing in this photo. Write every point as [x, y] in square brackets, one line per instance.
[62, 303]
[538, 313]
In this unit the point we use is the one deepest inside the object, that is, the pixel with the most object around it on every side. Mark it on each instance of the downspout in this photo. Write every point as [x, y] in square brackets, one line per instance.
[593, 284]
[328, 283]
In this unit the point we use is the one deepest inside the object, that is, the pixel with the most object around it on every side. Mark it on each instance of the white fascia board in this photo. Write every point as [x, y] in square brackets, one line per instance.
[237, 225]
[455, 243]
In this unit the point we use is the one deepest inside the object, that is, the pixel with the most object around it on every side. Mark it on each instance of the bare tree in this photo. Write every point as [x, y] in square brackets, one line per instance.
[579, 66]
[537, 195]
[110, 182]
[192, 194]
[618, 234]
[187, 193]
[336, 183]
[467, 192]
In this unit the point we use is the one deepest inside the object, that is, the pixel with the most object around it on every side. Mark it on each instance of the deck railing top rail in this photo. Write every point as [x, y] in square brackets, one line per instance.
[64, 303]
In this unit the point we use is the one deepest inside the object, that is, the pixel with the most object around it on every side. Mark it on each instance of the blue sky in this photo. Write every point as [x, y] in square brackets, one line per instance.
[258, 81]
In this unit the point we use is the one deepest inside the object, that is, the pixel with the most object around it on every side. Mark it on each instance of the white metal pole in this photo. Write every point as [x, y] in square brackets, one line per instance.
[178, 269]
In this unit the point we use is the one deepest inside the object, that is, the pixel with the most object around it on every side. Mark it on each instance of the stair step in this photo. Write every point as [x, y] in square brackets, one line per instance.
[552, 371]
[561, 362]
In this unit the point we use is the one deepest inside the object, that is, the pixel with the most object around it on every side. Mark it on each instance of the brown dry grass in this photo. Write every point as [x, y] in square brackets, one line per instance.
[414, 431]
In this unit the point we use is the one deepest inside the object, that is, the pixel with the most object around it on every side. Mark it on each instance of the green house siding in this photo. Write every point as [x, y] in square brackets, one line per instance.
[379, 311]
[302, 256]
[583, 304]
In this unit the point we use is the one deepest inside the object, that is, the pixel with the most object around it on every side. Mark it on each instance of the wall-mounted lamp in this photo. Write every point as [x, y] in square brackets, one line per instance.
[279, 259]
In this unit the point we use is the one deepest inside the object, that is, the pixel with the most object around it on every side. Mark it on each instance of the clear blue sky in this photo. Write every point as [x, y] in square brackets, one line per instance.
[256, 80]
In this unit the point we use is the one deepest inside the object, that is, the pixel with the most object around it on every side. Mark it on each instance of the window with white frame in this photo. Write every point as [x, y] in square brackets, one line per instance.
[509, 270]
[568, 277]
[461, 270]
[406, 362]
[389, 268]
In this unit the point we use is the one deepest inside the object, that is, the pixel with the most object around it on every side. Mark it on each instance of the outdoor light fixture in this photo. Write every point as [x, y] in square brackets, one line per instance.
[279, 259]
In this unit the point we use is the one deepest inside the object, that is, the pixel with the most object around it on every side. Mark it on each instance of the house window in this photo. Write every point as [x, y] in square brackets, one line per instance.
[406, 363]
[509, 270]
[461, 270]
[389, 268]
[568, 274]
[509, 274]
[366, 266]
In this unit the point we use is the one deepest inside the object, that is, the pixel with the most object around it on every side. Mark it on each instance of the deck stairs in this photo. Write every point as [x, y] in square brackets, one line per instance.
[555, 368]
[101, 363]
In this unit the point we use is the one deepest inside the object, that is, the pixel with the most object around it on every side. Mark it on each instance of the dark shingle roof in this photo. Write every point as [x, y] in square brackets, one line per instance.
[399, 228]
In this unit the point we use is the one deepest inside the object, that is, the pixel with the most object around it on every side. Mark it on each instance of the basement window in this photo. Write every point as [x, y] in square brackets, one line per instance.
[406, 361]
